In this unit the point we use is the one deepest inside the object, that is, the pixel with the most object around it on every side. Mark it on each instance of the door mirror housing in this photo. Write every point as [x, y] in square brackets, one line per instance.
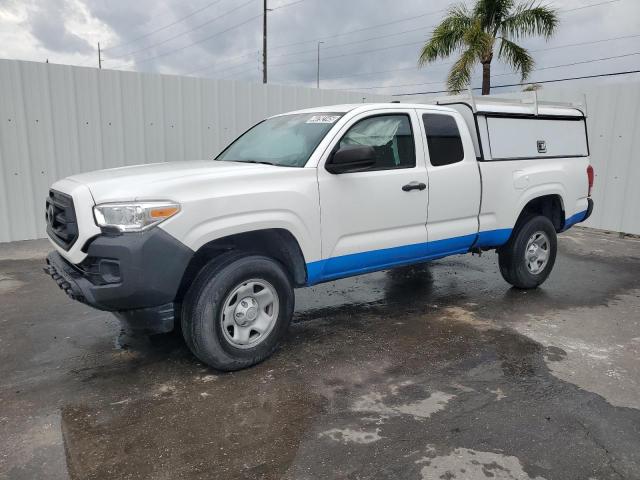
[351, 158]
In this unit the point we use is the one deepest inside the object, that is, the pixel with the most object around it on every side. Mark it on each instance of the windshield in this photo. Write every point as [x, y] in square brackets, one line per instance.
[287, 140]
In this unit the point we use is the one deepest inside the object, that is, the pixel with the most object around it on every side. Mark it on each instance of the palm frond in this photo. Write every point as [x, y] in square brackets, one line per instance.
[492, 12]
[448, 36]
[478, 40]
[516, 57]
[528, 19]
[460, 73]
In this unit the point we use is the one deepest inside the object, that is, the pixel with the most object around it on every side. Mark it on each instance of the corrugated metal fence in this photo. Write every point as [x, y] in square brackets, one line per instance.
[59, 120]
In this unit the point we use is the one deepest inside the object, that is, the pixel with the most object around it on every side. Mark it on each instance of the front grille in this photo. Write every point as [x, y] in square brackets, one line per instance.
[61, 219]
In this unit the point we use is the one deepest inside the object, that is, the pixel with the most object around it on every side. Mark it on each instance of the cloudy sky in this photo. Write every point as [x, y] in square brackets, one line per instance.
[369, 45]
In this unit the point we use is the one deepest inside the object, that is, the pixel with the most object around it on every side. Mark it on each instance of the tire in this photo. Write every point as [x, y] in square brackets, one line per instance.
[259, 298]
[521, 264]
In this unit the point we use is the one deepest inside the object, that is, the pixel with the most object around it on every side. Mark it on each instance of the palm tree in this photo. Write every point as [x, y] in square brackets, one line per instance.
[475, 32]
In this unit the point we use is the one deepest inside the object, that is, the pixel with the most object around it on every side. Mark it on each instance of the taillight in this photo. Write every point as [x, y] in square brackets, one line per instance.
[590, 176]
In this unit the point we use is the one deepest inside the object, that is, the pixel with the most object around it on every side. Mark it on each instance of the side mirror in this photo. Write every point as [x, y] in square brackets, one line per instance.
[351, 158]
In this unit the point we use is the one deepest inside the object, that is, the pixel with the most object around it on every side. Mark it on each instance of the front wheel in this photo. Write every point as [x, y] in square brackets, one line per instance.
[528, 258]
[236, 310]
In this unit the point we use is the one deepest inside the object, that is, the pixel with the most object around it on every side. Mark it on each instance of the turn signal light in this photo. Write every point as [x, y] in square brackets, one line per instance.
[163, 212]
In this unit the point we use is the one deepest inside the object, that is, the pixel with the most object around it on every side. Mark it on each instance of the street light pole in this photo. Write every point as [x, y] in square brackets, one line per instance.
[318, 75]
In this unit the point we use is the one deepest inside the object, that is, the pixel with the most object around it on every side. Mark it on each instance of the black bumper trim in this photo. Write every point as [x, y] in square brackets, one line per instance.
[589, 209]
[150, 320]
[65, 276]
[139, 272]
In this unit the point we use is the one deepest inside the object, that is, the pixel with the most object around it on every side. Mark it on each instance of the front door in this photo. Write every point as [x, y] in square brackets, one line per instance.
[376, 218]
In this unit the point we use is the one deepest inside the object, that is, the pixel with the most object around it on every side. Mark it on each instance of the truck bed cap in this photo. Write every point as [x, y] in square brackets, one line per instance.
[524, 104]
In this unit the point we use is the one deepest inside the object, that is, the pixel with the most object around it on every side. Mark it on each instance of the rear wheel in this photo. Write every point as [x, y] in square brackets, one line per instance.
[528, 258]
[237, 310]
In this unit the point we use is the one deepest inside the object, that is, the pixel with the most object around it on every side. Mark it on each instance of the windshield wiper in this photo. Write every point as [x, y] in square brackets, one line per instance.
[263, 162]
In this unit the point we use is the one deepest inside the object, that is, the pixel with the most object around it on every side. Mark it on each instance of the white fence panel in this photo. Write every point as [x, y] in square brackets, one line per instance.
[58, 120]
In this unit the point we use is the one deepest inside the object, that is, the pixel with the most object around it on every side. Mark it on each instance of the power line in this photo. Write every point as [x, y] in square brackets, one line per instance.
[195, 12]
[406, 19]
[340, 45]
[401, 20]
[354, 53]
[203, 39]
[611, 74]
[508, 73]
[337, 35]
[170, 52]
[450, 63]
[287, 5]
[309, 51]
[411, 43]
[154, 45]
[349, 32]
[589, 6]
[248, 54]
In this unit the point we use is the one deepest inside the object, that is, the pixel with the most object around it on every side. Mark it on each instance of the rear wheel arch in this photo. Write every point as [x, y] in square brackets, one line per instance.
[276, 243]
[550, 206]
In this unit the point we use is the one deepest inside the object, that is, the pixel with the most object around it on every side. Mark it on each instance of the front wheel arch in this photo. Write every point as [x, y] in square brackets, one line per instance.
[276, 243]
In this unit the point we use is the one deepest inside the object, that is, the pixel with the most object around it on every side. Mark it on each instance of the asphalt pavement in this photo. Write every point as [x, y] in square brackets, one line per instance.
[440, 371]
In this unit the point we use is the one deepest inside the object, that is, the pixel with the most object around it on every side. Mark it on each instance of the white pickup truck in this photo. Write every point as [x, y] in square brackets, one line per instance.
[312, 196]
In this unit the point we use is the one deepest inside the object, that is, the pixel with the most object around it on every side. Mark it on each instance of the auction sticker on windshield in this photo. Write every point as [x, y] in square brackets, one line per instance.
[323, 119]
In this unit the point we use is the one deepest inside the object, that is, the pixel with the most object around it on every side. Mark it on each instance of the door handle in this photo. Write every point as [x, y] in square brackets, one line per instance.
[414, 186]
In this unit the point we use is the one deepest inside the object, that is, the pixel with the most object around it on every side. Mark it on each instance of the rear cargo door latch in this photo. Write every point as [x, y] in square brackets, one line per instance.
[542, 146]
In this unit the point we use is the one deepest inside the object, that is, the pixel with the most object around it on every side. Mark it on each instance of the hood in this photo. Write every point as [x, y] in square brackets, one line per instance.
[158, 180]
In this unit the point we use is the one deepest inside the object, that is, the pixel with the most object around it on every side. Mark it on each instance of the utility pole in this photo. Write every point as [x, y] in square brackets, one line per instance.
[99, 56]
[318, 76]
[264, 43]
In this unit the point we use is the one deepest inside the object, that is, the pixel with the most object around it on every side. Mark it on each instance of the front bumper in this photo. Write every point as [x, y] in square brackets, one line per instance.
[134, 275]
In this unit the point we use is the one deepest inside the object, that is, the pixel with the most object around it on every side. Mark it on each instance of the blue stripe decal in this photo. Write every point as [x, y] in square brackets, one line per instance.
[573, 219]
[493, 238]
[365, 262]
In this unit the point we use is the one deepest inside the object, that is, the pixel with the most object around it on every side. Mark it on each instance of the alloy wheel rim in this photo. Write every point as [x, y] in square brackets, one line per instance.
[249, 313]
[536, 253]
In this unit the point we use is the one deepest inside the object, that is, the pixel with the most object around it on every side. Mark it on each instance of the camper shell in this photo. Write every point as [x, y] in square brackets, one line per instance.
[522, 128]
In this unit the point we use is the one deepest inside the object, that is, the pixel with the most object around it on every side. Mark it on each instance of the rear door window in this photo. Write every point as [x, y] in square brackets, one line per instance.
[443, 139]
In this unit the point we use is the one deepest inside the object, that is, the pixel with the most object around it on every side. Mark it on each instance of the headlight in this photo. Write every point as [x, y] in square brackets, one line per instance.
[134, 216]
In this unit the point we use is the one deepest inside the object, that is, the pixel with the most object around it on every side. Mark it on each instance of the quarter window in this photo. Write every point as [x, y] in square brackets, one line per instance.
[443, 139]
[391, 138]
